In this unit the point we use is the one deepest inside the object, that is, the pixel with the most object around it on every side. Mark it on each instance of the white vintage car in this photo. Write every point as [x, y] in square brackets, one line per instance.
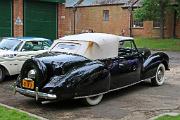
[14, 51]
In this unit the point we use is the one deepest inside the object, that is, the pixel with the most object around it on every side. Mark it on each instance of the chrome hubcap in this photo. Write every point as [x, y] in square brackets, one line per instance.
[160, 75]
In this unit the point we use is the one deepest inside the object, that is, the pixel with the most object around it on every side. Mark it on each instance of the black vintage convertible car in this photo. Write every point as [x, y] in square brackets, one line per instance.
[88, 66]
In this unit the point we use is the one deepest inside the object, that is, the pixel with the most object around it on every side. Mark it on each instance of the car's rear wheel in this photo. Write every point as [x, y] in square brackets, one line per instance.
[39, 102]
[2, 75]
[93, 100]
[159, 77]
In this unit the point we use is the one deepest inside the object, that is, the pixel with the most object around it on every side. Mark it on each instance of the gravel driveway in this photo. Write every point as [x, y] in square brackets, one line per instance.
[138, 102]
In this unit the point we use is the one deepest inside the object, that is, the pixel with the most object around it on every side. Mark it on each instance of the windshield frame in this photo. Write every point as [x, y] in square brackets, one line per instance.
[11, 46]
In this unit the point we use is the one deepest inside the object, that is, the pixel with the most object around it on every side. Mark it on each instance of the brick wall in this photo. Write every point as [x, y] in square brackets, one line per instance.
[178, 28]
[146, 30]
[17, 12]
[92, 18]
[149, 31]
[65, 20]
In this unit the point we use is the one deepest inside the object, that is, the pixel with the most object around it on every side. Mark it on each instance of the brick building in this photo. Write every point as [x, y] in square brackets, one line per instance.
[111, 16]
[53, 18]
[29, 18]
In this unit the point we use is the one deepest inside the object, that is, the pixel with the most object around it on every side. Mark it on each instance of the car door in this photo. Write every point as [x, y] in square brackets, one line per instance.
[28, 50]
[125, 69]
[10, 63]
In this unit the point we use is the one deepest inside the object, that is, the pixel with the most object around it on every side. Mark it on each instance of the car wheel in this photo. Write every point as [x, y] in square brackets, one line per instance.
[159, 77]
[93, 100]
[2, 75]
[39, 102]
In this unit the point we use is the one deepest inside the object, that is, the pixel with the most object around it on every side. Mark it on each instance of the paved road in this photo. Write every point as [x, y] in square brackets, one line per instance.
[138, 102]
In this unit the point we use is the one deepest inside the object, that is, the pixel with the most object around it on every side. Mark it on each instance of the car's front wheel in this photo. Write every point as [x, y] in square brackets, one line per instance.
[93, 100]
[2, 75]
[159, 77]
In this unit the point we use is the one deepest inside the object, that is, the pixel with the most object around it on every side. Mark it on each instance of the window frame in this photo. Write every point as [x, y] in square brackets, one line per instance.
[106, 15]
[19, 46]
[133, 49]
[140, 24]
[156, 23]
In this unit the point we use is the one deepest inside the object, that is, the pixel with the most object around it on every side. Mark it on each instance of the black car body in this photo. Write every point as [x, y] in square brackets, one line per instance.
[60, 75]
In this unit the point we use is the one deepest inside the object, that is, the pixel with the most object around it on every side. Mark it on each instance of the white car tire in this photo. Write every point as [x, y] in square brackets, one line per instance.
[2, 75]
[159, 78]
[91, 101]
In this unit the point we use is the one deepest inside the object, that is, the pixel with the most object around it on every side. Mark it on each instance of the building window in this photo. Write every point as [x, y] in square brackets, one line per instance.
[106, 15]
[137, 24]
[156, 24]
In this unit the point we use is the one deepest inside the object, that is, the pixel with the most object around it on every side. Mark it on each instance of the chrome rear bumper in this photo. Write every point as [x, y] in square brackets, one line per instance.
[36, 94]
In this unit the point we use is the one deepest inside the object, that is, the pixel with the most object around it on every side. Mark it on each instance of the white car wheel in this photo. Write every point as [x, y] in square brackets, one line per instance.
[93, 100]
[159, 77]
[1, 74]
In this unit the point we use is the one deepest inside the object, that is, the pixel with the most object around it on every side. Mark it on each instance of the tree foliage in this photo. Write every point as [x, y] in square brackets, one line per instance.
[177, 8]
[156, 10]
[151, 9]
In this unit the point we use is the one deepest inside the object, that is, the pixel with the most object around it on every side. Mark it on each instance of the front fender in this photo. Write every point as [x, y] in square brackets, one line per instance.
[92, 78]
[10, 68]
[150, 65]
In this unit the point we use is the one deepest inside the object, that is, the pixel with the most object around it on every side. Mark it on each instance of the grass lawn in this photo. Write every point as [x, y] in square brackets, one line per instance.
[158, 44]
[8, 114]
[167, 117]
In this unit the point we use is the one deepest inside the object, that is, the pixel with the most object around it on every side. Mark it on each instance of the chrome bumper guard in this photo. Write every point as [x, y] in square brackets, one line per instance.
[36, 94]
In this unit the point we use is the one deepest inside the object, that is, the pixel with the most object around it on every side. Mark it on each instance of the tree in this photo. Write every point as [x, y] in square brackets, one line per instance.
[153, 10]
[176, 10]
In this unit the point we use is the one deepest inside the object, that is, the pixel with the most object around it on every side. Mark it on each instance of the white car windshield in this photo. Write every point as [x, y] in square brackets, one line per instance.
[8, 44]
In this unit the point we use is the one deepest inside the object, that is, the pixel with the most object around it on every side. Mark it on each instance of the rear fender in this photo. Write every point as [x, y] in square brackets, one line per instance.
[92, 78]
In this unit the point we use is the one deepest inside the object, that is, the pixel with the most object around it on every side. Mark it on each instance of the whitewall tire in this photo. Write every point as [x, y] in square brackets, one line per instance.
[91, 101]
[159, 78]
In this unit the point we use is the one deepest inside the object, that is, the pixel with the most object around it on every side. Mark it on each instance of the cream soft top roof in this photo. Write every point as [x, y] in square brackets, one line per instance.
[95, 45]
[99, 38]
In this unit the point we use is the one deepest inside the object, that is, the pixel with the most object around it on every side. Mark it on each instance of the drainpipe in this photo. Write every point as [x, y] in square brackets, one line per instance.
[74, 14]
[174, 24]
[130, 22]
[174, 20]
[131, 17]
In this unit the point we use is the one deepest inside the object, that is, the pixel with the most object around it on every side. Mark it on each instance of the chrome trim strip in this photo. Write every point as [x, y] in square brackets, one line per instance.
[126, 86]
[35, 94]
[112, 89]
[46, 96]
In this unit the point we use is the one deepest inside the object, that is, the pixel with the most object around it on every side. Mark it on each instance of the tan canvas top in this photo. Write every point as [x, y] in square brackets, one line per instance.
[93, 45]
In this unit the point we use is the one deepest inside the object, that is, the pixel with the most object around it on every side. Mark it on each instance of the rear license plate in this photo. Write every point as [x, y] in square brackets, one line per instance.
[29, 84]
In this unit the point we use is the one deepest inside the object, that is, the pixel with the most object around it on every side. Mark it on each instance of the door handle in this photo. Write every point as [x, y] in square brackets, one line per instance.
[121, 57]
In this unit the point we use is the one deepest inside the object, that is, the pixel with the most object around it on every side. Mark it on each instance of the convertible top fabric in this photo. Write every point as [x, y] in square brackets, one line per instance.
[94, 45]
